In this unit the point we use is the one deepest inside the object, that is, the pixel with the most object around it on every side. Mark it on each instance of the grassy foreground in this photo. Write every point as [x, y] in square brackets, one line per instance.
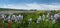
[24, 23]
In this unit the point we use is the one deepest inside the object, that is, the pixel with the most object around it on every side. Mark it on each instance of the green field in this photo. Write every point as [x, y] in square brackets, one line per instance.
[34, 16]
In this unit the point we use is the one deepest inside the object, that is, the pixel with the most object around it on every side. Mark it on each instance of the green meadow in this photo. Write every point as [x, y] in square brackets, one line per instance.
[24, 23]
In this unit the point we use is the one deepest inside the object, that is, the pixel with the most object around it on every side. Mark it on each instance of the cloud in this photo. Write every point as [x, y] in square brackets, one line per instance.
[32, 6]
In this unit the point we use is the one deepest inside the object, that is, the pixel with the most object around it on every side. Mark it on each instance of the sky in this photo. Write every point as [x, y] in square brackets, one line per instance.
[31, 4]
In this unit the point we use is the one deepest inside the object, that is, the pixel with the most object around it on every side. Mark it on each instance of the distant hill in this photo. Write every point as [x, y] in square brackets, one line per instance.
[7, 9]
